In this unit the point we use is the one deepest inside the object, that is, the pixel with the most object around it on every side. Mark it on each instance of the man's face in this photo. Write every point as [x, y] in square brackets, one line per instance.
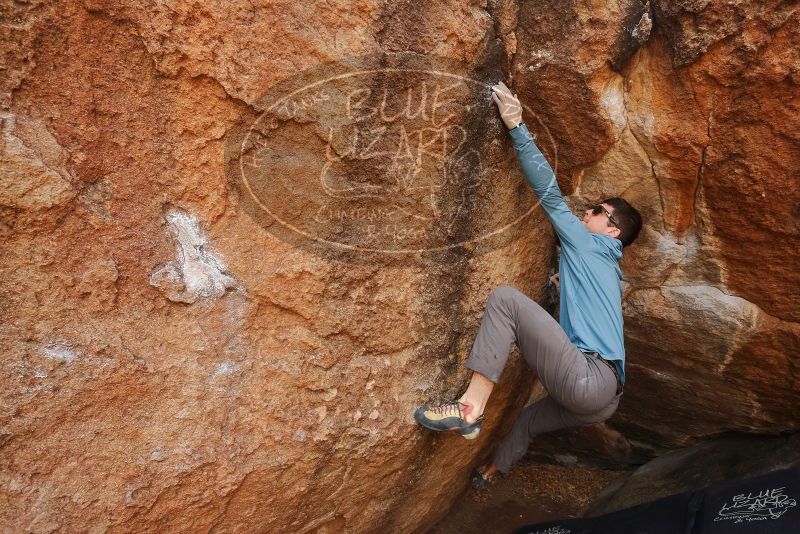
[599, 224]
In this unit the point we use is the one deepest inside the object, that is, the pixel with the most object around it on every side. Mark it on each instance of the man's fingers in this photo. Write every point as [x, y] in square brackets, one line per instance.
[501, 91]
[502, 94]
[503, 88]
[508, 104]
[554, 280]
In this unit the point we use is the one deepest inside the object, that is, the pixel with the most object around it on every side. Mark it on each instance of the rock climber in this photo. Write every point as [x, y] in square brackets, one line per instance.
[581, 361]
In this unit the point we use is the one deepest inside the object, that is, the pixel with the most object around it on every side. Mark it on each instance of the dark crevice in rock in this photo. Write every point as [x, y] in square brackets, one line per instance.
[645, 150]
[699, 184]
[635, 31]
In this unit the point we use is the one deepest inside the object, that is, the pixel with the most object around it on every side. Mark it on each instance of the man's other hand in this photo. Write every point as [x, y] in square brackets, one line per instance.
[508, 104]
[555, 282]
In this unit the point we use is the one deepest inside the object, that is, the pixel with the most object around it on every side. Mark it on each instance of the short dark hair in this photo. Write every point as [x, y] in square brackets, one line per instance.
[629, 219]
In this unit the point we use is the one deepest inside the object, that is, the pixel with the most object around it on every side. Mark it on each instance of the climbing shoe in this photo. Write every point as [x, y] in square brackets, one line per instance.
[449, 417]
[479, 481]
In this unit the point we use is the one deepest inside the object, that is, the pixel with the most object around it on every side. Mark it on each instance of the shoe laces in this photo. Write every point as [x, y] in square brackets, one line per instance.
[448, 408]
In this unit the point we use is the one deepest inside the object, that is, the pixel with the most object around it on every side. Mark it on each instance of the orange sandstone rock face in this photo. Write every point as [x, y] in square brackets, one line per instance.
[171, 364]
[175, 363]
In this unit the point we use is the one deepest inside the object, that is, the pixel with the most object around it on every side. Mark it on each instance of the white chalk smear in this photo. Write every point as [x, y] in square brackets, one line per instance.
[196, 273]
[225, 368]
[60, 352]
[613, 100]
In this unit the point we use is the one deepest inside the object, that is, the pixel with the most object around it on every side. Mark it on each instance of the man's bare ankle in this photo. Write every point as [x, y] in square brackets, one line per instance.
[473, 412]
[491, 470]
[471, 418]
[488, 471]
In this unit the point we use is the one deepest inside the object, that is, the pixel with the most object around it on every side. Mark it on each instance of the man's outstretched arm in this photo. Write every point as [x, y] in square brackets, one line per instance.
[540, 175]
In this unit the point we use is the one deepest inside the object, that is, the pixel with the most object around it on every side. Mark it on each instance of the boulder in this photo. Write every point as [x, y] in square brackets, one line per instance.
[189, 350]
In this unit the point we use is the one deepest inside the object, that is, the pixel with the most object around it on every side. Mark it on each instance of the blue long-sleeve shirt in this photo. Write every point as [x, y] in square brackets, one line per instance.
[591, 293]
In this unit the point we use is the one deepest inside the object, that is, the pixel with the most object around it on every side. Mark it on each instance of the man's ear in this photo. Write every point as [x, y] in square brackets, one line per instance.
[613, 232]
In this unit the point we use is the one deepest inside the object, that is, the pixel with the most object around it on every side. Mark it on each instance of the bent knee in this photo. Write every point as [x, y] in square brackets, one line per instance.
[600, 416]
[593, 419]
[503, 293]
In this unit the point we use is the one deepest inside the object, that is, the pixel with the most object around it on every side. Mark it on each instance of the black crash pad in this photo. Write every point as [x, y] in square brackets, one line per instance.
[768, 504]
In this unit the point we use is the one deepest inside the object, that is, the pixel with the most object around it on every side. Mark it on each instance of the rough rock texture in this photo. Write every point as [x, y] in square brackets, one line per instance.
[173, 366]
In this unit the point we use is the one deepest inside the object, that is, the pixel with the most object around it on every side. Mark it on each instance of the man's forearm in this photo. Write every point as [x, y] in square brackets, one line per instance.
[542, 180]
[536, 168]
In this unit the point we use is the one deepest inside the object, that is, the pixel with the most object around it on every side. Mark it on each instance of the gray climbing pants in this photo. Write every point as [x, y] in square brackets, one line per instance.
[581, 389]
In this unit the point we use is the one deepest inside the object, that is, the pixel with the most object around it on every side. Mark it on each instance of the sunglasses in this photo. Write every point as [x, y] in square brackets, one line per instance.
[600, 208]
